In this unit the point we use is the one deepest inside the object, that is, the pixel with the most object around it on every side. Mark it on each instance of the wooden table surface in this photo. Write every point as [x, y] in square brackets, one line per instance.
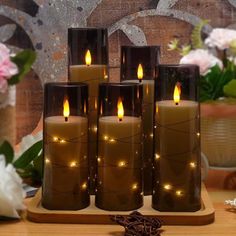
[225, 224]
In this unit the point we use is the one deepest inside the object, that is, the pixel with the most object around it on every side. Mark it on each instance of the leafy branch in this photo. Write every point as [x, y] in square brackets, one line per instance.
[29, 164]
[24, 60]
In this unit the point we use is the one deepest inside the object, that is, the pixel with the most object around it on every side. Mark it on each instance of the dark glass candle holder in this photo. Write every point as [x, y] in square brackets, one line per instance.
[138, 64]
[177, 171]
[88, 62]
[65, 149]
[119, 173]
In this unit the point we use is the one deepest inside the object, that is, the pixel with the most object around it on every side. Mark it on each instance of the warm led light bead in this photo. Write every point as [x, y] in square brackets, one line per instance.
[167, 187]
[134, 186]
[47, 161]
[73, 164]
[55, 139]
[62, 141]
[112, 140]
[157, 156]
[105, 137]
[84, 186]
[179, 193]
[192, 164]
[121, 164]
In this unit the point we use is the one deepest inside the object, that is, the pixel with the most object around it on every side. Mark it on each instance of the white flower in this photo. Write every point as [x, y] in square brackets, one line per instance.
[27, 142]
[221, 38]
[203, 59]
[11, 191]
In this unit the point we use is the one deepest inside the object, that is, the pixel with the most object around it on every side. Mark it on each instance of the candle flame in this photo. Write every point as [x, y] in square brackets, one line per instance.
[88, 58]
[120, 108]
[177, 92]
[66, 108]
[140, 72]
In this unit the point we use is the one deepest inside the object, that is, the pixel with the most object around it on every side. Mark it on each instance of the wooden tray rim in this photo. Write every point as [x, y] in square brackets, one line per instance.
[36, 213]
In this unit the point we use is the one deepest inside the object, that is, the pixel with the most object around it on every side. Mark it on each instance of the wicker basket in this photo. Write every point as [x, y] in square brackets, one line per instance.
[218, 133]
[7, 116]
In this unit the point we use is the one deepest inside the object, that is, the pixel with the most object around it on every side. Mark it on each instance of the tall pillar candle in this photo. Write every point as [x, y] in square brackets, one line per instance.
[138, 64]
[65, 182]
[88, 60]
[177, 180]
[119, 172]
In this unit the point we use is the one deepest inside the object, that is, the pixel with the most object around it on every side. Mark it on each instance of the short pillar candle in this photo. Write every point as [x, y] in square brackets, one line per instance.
[119, 171]
[138, 63]
[65, 151]
[88, 63]
[177, 171]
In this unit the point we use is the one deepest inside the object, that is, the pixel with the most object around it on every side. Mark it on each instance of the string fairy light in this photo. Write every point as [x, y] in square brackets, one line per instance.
[122, 164]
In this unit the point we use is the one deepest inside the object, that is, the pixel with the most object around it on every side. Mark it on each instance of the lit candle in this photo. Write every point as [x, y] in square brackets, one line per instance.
[176, 154]
[119, 185]
[148, 104]
[91, 74]
[65, 161]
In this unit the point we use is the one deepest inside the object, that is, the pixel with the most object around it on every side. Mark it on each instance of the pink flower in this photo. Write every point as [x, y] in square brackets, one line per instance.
[203, 59]
[221, 38]
[7, 67]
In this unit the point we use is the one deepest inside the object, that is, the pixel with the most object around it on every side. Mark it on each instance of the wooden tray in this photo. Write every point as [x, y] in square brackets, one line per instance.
[93, 215]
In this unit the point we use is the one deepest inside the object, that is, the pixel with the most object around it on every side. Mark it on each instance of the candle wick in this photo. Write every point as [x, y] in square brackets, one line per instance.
[140, 81]
[120, 119]
[66, 119]
[176, 103]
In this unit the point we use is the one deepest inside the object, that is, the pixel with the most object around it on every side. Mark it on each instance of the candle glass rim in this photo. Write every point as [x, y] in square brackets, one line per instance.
[66, 84]
[86, 29]
[135, 46]
[178, 66]
[120, 84]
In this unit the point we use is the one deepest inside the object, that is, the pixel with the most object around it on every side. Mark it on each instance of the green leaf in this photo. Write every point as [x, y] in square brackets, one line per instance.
[226, 76]
[205, 90]
[209, 83]
[7, 150]
[24, 60]
[230, 89]
[28, 156]
[27, 172]
[196, 35]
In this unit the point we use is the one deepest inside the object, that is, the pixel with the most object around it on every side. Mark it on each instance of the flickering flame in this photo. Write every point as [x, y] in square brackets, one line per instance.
[177, 93]
[140, 72]
[88, 58]
[66, 108]
[120, 108]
